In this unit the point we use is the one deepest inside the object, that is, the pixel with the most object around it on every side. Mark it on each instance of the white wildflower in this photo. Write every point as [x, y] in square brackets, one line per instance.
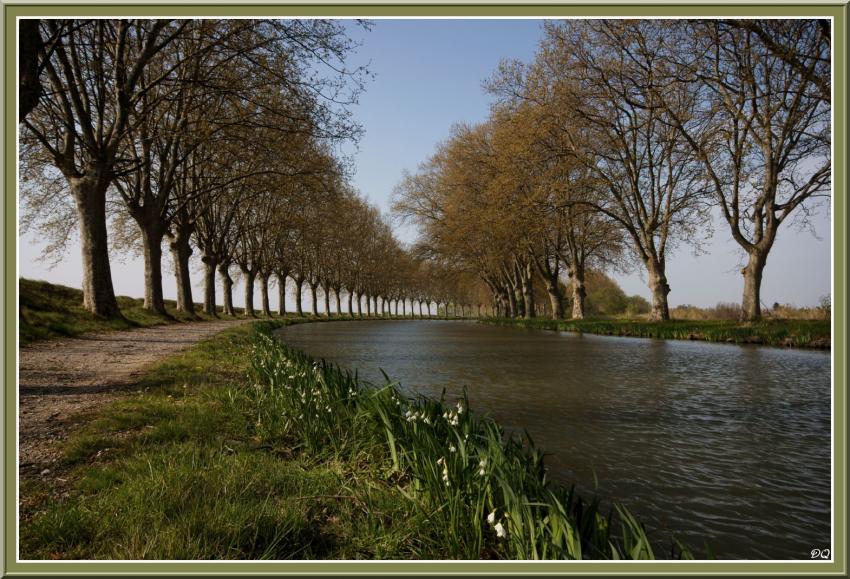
[491, 518]
[452, 448]
[460, 408]
[441, 461]
[501, 531]
[426, 420]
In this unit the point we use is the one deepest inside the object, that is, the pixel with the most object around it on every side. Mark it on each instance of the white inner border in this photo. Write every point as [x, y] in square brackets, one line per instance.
[476, 561]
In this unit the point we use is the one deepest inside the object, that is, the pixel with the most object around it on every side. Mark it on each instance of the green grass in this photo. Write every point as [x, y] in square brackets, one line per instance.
[240, 448]
[786, 333]
[175, 472]
[52, 311]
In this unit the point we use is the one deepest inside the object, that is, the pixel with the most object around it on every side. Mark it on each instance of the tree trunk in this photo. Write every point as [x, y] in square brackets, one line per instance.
[753, 272]
[29, 80]
[299, 286]
[579, 293]
[314, 302]
[152, 249]
[209, 285]
[359, 306]
[350, 303]
[98, 292]
[512, 303]
[659, 288]
[264, 295]
[404, 308]
[227, 288]
[281, 293]
[368, 306]
[528, 293]
[181, 251]
[338, 302]
[556, 301]
[327, 300]
[249, 292]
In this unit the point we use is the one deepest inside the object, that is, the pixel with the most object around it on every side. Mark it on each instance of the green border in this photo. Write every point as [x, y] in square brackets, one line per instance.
[837, 567]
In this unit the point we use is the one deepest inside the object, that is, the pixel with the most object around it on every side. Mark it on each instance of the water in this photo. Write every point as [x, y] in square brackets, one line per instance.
[716, 443]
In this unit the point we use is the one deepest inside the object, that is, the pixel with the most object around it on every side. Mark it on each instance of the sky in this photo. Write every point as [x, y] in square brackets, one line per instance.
[428, 76]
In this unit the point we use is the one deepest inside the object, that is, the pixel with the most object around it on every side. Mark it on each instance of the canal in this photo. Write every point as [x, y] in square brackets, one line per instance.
[714, 444]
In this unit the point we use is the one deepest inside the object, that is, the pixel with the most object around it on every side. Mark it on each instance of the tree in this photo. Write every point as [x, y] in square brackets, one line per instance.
[650, 181]
[94, 72]
[761, 128]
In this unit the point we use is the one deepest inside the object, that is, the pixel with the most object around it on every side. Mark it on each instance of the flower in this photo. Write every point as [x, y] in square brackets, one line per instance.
[491, 518]
[501, 531]
[482, 465]
[460, 407]
[441, 461]
[452, 448]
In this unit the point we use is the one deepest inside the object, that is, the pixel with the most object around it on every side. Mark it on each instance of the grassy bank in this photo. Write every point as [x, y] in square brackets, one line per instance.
[51, 311]
[240, 448]
[785, 333]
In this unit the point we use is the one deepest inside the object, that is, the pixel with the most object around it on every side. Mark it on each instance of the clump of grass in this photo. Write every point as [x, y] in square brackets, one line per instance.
[785, 333]
[484, 494]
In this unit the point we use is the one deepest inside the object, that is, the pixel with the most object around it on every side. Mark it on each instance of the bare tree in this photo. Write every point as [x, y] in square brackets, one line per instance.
[761, 128]
[94, 73]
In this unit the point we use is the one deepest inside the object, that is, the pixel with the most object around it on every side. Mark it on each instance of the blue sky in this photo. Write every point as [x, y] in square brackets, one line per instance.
[428, 76]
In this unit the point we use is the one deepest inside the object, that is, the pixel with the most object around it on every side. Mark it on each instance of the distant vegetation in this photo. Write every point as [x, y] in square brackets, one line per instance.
[798, 333]
[732, 311]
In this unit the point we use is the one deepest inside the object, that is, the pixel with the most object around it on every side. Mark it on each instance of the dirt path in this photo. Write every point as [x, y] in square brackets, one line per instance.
[59, 379]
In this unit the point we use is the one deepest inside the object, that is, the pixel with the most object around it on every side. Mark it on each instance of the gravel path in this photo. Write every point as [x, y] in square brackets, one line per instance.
[60, 379]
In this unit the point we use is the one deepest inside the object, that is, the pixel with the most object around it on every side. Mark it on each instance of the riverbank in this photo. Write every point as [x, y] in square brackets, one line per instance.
[784, 333]
[299, 461]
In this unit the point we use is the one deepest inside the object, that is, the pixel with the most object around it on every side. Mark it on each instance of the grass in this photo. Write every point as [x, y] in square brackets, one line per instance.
[52, 311]
[240, 448]
[173, 472]
[786, 333]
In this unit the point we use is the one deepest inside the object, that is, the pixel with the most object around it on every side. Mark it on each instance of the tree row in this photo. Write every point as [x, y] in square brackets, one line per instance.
[622, 141]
